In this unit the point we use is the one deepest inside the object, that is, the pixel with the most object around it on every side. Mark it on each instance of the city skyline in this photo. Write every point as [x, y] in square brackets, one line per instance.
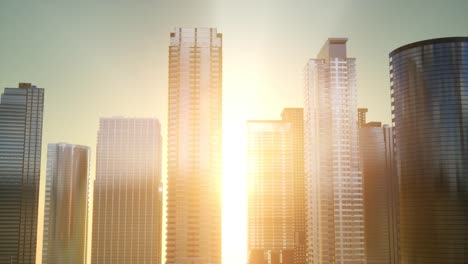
[135, 78]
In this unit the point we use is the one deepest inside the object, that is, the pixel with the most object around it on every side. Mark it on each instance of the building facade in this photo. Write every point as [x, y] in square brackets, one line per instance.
[276, 190]
[127, 201]
[380, 193]
[334, 181]
[362, 117]
[66, 204]
[21, 111]
[295, 116]
[270, 192]
[194, 147]
[429, 87]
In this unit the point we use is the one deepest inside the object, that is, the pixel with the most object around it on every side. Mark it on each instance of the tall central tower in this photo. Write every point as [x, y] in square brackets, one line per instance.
[335, 196]
[194, 147]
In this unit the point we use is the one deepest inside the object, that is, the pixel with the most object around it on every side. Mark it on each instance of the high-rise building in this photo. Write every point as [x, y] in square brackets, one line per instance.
[127, 202]
[429, 87]
[194, 147]
[295, 116]
[380, 193]
[362, 117]
[270, 192]
[66, 204]
[276, 190]
[334, 181]
[21, 111]
[393, 195]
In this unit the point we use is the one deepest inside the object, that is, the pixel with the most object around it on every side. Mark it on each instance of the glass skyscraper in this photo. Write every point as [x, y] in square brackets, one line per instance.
[276, 190]
[127, 202]
[270, 192]
[429, 92]
[66, 204]
[194, 147]
[21, 111]
[334, 181]
[380, 192]
[295, 116]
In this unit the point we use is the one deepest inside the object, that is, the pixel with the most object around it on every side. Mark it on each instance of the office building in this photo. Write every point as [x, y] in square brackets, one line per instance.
[380, 193]
[194, 147]
[276, 190]
[127, 202]
[66, 204]
[21, 111]
[295, 116]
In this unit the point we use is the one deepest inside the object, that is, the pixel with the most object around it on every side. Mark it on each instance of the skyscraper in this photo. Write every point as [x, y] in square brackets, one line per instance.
[334, 182]
[295, 116]
[276, 190]
[66, 204]
[21, 112]
[127, 202]
[380, 193]
[270, 192]
[194, 147]
[429, 87]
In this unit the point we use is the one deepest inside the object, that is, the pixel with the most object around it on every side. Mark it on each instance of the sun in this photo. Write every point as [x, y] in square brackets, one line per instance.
[234, 192]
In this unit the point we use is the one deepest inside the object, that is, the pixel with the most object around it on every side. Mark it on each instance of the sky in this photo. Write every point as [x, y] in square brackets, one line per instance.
[110, 58]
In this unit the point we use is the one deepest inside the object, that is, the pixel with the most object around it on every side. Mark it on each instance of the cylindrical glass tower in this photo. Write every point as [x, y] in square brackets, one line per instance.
[429, 90]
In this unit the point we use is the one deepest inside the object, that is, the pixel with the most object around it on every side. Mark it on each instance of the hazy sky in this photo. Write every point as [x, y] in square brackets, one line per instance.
[106, 58]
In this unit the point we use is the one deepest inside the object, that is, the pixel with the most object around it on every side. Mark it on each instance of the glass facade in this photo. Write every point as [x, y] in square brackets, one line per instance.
[194, 147]
[429, 91]
[276, 196]
[380, 191]
[127, 202]
[335, 203]
[270, 192]
[295, 116]
[21, 111]
[66, 204]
